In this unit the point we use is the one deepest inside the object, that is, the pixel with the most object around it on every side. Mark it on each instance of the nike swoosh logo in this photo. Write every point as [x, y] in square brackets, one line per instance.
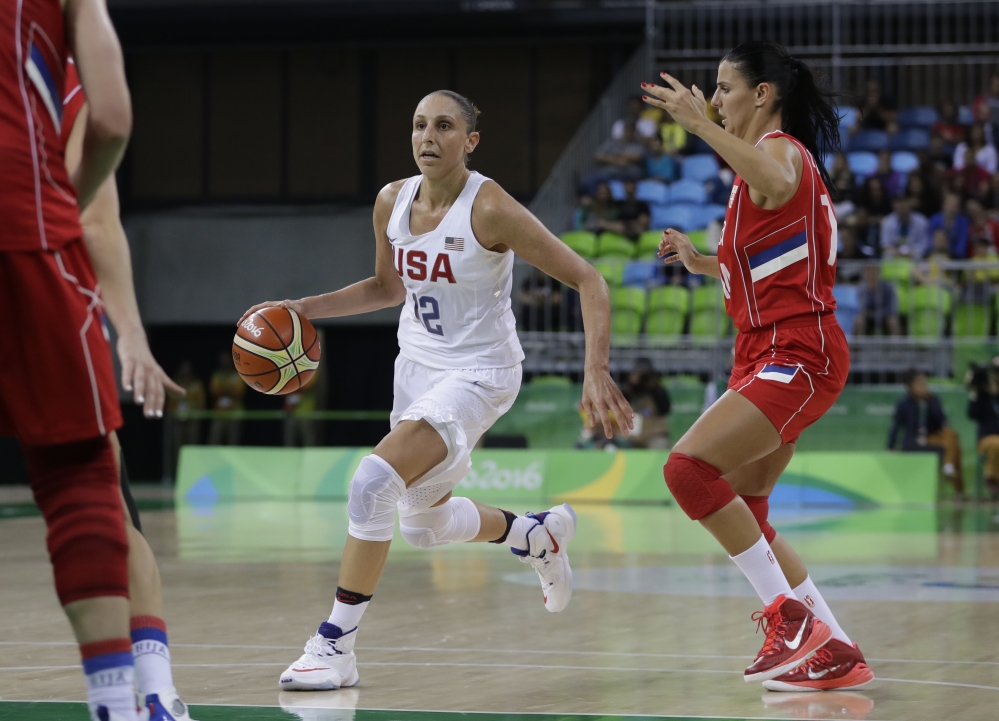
[306, 670]
[793, 645]
[817, 676]
[554, 542]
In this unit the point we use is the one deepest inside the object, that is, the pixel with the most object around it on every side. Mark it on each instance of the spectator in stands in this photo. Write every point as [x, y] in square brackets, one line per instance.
[892, 180]
[632, 214]
[673, 135]
[875, 112]
[874, 199]
[930, 272]
[904, 231]
[984, 152]
[953, 222]
[921, 419]
[970, 181]
[877, 304]
[185, 431]
[950, 130]
[991, 200]
[595, 212]
[644, 118]
[939, 153]
[983, 409]
[843, 184]
[658, 163]
[925, 199]
[651, 403]
[990, 100]
[867, 231]
[623, 157]
[979, 283]
[540, 302]
[848, 251]
[980, 225]
[227, 390]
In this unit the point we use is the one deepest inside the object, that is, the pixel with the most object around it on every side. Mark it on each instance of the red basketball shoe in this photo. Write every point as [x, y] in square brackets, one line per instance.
[836, 665]
[793, 637]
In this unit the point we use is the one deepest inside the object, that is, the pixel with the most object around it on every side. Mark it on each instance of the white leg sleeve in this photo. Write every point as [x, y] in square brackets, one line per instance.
[374, 491]
[456, 521]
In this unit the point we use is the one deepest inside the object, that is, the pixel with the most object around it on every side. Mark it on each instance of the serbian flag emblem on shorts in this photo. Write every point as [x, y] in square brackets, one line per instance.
[781, 374]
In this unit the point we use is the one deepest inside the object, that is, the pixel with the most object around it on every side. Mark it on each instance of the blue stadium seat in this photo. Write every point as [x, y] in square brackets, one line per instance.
[642, 274]
[698, 146]
[870, 140]
[911, 139]
[917, 117]
[699, 167]
[706, 213]
[965, 116]
[847, 307]
[681, 217]
[652, 191]
[617, 189]
[862, 164]
[688, 191]
[847, 116]
[903, 161]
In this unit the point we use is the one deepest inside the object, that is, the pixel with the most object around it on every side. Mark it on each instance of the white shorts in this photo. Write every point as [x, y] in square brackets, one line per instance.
[461, 404]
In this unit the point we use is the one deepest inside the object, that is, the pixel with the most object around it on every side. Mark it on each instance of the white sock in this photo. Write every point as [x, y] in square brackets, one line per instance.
[110, 683]
[348, 609]
[517, 537]
[759, 564]
[152, 656]
[809, 595]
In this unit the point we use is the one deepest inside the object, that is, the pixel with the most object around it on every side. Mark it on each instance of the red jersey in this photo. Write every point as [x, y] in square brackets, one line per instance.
[73, 100]
[781, 263]
[37, 200]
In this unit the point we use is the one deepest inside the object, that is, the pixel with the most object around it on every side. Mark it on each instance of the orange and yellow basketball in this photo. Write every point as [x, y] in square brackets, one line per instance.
[276, 351]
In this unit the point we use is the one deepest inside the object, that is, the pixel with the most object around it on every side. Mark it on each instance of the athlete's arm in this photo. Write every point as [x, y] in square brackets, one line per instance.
[501, 223]
[102, 73]
[772, 170]
[384, 290]
[109, 252]
[675, 246]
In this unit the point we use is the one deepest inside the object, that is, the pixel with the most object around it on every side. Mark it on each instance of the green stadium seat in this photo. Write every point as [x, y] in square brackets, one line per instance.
[929, 307]
[648, 243]
[630, 299]
[902, 293]
[708, 319]
[675, 298]
[699, 239]
[612, 245]
[551, 382]
[897, 270]
[708, 297]
[971, 320]
[581, 241]
[665, 322]
[626, 321]
[613, 272]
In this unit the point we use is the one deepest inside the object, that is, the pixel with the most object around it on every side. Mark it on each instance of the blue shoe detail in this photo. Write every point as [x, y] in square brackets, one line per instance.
[103, 714]
[157, 712]
[518, 552]
[332, 632]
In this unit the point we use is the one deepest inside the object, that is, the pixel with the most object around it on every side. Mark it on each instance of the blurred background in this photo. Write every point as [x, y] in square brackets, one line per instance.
[263, 130]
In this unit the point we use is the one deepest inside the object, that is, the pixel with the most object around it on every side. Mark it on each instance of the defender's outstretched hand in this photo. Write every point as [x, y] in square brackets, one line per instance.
[601, 399]
[142, 376]
[687, 107]
[676, 247]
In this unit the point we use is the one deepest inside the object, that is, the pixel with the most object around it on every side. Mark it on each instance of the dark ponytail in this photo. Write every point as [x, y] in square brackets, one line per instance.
[807, 111]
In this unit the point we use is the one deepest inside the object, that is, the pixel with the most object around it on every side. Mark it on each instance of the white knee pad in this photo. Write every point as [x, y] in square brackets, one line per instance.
[374, 491]
[456, 521]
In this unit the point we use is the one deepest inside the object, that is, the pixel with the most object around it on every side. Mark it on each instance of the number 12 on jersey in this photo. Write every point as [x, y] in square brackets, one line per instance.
[428, 310]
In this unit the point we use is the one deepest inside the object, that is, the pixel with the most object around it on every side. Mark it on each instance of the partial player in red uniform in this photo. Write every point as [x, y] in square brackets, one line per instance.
[57, 391]
[777, 265]
[143, 377]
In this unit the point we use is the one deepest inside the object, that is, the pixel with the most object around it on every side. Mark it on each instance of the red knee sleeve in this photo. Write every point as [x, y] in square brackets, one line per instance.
[760, 506]
[76, 487]
[697, 486]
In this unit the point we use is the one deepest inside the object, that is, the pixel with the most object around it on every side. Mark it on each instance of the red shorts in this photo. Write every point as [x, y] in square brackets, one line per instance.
[793, 371]
[57, 381]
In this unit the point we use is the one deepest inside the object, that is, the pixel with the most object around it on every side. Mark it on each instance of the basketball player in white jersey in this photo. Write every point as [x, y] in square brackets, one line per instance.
[445, 245]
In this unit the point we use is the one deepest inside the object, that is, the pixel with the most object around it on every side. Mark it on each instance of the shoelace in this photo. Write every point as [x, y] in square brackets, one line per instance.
[821, 657]
[773, 624]
[320, 646]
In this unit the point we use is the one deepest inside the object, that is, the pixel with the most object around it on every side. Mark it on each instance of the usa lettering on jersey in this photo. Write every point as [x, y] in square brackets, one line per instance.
[413, 263]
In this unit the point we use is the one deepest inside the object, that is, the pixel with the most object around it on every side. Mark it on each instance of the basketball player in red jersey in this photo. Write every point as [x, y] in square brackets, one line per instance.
[777, 265]
[57, 391]
[141, 375]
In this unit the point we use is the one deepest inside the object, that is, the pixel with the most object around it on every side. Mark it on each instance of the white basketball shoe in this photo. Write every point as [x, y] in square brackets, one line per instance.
[167, 706]
[327, 664]
[548, 552]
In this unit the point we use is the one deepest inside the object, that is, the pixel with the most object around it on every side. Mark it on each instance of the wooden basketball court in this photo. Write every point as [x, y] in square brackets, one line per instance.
[659, 625]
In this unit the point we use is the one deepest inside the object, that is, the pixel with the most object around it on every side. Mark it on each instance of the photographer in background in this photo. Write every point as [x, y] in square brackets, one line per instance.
[920, 417]
[983, 409]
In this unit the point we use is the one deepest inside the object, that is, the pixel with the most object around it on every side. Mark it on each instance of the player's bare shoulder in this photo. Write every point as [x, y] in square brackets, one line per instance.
[494, 213]
[385, 202]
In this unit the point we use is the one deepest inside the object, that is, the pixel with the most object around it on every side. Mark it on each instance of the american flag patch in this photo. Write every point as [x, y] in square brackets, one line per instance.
[454, 243]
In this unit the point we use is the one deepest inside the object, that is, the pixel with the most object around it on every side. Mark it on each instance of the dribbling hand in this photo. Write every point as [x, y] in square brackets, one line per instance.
[676, 247]
[295, 305]
[601, 399]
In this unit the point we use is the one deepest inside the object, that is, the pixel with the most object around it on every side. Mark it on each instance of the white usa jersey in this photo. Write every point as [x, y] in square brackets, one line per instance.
[457, 312]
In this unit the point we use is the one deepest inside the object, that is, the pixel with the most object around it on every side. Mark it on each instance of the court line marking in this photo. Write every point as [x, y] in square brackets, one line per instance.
[509, 665]
[504, 650]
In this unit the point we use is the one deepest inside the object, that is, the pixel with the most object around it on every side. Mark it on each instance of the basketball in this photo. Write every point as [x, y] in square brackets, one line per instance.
[276, 351]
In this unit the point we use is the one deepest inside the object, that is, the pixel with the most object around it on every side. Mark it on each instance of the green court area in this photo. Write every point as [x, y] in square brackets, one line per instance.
[43, 711]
